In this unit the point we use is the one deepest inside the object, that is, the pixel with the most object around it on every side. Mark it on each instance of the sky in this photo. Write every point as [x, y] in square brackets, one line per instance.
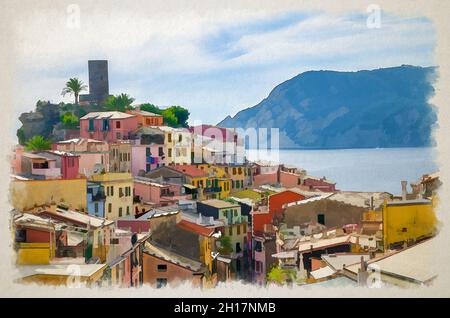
[214, 63]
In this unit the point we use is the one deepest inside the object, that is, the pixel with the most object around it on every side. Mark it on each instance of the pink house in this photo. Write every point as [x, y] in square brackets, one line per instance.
[50, 164]
[92, 153]
[146, 157]
[155, 193]
[108, 126]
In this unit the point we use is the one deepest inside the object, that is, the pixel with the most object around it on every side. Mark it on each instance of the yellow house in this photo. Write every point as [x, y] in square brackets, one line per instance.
[237, 174]
[218, 178]
[26, 194]
[408, 221]
[119, 194]
[62, 275]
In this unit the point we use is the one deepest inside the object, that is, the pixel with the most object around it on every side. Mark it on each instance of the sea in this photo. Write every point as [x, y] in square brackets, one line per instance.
[379, 169]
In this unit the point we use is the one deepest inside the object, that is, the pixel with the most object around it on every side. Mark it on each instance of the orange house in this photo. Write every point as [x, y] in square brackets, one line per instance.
[275, 209]
[146, 118]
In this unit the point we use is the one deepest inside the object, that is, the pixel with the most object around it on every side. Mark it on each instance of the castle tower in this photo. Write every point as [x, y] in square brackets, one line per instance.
[98, 80]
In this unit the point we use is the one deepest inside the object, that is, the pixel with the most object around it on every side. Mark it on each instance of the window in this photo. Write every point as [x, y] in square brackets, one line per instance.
[258, 246]
[180, 138]
[120, 211]
[105, 124]
[148, 153]
[128, 210]
[404, 229]
[120, 192]
[235, 212]
[118, 136]
[117, 124]
[169, 137]
[244, 228]
[112, 191]
[258, 266]
[230, 231]
[160, 151]
[242, 183]
[148, 167]
[161, 282]
[238, 247]
[321, 219]
[240, 170]
[170, 152]
[91, 125]
[299, 181]
[234, 171]
[162, 268]
[238, 230]
[109, 207]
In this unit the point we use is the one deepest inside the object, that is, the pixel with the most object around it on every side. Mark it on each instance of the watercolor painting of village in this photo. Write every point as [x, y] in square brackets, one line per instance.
[281, 147]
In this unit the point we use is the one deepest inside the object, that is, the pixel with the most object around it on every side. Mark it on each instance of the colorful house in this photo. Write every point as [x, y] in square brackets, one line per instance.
[178, 142]
[275, 209]
[50, 164]
[96, 199]
[164, 267]
[147, 150]
[157, 194]
[108, 126]
[120, 156]
[236, 227]
[93, 153]
[26, 194]
[408, 221]
[118, 188]
[145, 118]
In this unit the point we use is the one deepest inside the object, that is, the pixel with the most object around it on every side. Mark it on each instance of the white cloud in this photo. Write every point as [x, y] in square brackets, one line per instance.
[160, 56]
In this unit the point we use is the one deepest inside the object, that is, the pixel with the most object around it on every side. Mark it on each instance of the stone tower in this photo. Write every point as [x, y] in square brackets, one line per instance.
[98, 80]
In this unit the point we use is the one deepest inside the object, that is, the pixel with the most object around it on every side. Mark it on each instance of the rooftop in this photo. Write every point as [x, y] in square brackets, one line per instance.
[339, 260]
[79, 141]
[157, 251]
[85, 270]
[79, 217]
[416, 263]
[191, 171]
[220, 204]
[196, 228]
[107, 115]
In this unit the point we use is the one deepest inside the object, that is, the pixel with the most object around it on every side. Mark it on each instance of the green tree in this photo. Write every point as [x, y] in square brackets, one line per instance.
[225, 248]
[281, 276]
[169, 118]
[119, 103]
[69, 120]
[151, 108]
[21, 136]
[74, 86]
[182, 115]
[37, 143]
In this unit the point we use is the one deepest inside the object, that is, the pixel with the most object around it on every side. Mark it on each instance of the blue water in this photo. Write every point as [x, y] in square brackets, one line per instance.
[359, 169]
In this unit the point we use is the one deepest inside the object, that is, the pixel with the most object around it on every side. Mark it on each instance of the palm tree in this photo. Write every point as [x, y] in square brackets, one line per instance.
[37, 143]
[120, 102]
[74, 86]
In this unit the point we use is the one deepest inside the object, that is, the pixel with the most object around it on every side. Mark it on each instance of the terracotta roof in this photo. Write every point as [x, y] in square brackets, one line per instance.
[196, 228]
[191, 171]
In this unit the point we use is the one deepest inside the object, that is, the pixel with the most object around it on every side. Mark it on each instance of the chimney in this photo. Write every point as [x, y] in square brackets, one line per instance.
[404, 184]
[420, 192]
[362, 273]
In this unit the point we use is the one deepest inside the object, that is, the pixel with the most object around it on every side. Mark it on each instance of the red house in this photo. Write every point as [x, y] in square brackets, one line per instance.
[319, 184]
[275, 209]
[108, 126]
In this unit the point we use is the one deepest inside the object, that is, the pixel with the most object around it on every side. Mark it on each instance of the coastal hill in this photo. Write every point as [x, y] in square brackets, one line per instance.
[385, 107]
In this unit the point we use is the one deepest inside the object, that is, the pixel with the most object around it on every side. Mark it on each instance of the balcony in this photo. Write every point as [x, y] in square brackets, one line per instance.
[212, 190]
